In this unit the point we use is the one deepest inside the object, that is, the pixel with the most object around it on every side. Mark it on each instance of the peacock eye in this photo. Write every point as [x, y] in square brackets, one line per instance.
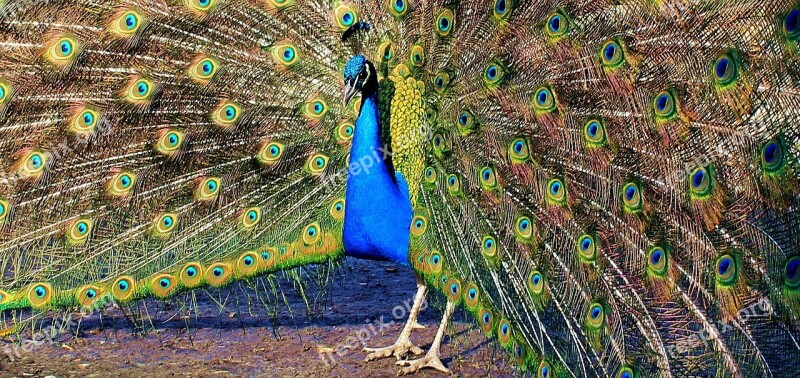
[792, 272]
[139, 91]
[131, 21]
[344, 17]
[226, 114]
[791, 24]
[347, 19]
[557, 25]
[726, 270]
[399, 6]
[612, 54]
[725, 70]
[65, 47]
[700, 182]
[201, 5]
[657, 261]
[5, 90]
[285, 54]
[772, 156]
[665, 105]
[270, 153]
[500, 8]
[444, 22]
[3, 209]
[632, 197]
[625, 372]
[317, 164]
[544, 100]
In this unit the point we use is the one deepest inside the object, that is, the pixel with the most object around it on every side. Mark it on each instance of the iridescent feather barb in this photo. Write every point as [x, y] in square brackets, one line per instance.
[609, 187]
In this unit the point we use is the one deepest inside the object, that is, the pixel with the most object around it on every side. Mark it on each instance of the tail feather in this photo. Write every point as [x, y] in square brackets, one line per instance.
[606, 132]
[610, 186]
[142, 139]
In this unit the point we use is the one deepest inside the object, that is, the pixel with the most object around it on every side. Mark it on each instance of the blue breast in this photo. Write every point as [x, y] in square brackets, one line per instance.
[377, 209]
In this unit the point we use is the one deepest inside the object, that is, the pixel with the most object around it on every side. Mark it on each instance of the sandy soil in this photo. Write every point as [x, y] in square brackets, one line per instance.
[249, 343]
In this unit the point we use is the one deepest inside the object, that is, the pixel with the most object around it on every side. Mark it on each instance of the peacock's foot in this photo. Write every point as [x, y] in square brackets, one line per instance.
[400, 349]
[431, 360]
[417, 326]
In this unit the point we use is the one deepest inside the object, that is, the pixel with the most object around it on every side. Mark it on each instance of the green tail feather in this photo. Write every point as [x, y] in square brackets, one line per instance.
[636, 158]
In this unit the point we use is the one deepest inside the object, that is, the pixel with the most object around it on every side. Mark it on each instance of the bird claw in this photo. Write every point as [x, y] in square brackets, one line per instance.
[417, 326]
[429, 361]
[399, 350]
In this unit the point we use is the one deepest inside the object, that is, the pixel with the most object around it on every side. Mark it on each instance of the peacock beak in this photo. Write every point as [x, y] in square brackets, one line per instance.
[350, 91]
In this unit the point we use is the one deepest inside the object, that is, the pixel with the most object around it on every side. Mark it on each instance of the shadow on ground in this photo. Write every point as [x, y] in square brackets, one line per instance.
[238, 340]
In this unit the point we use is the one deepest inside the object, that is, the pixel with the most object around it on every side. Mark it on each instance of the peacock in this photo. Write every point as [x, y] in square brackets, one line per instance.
[609, 187]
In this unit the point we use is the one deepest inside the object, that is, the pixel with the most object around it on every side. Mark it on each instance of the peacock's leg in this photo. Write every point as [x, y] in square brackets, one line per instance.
[431, 360]
[403, 345]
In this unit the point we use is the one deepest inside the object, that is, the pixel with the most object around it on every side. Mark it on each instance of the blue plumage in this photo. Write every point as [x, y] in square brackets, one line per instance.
[378, 210]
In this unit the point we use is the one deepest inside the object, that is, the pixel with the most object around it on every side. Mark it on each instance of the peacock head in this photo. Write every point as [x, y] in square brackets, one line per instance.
[359, 77]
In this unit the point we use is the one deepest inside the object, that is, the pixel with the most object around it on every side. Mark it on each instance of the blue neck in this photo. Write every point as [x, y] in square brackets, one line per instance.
[367, 140]
[377, 208]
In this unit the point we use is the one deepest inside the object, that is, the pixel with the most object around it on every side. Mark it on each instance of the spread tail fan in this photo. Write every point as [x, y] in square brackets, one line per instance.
[609, 186]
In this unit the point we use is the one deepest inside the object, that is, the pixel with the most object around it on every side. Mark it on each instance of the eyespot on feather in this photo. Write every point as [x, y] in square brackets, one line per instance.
[486, 321]
[250, 217]
[270, 153]
[121, 184]
[344, 16]
[139, 90]
[164, 224]
[191, 275]
[84, 121]
[6, 92]
[311, 233]
[200, 7]
[504, 332]
[397, 8]
[594, 132]
[203, 69]
[247, 264]
[556, 192]
[226, 114]
[544, 100]
[40, 294]
[557, 25]
[208, 189]
[417, 56]
[445, 23]
[285, 54]
[32, 164]
[5, 208]
[472, 296]
[316, 164]
[123, 288]
[337, 209]
[169, 142]
[79, 231]
[218, 274]
[163, 285]
[62, 50]
[88, 295]
[418, 225]
[586, 247]
[127, 23]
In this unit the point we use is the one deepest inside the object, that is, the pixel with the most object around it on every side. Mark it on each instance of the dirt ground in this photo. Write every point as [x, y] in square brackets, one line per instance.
[221, 343]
